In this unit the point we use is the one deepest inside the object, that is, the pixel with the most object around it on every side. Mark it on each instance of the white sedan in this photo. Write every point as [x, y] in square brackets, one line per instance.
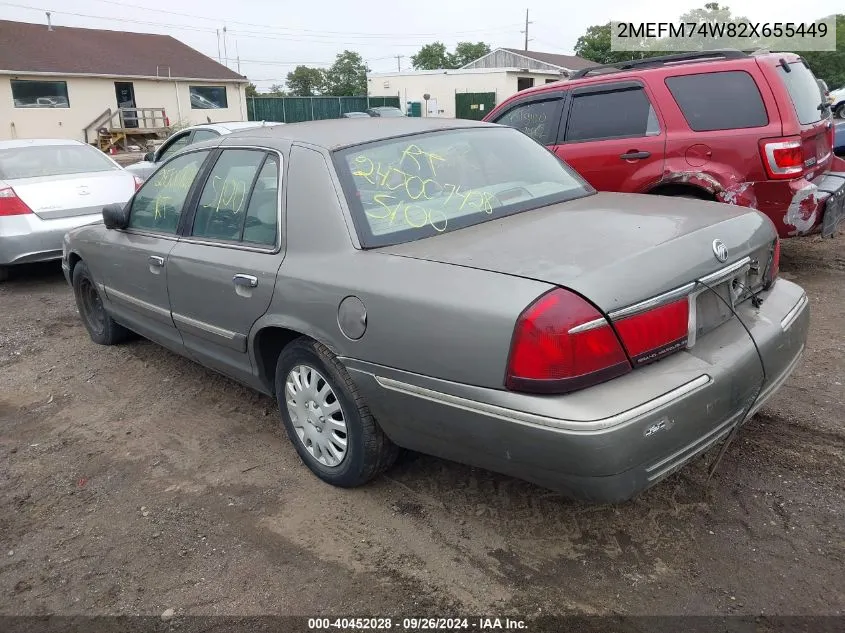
[49, 186]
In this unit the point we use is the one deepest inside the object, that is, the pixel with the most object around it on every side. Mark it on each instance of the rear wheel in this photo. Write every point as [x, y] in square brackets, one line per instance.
[326, 417]
[102, 329]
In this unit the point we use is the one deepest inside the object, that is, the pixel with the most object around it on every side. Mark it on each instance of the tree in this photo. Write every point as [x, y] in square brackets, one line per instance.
[466, 52]
[432, 57]
[830, 65]
[347, 77]
[251, 90]
[305, 81]
[595, 46]
[277, 90]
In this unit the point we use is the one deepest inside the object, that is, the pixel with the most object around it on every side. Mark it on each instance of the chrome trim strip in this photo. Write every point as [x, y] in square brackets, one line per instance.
[111, 293]
[648, 304]
[589, 325]
[715, 277]
[727, 271]
[531, 419]
[206, 327]
[787, 321]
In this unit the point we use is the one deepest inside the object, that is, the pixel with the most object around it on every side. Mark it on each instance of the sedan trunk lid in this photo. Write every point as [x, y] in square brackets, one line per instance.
[52, 197]
[614, 249]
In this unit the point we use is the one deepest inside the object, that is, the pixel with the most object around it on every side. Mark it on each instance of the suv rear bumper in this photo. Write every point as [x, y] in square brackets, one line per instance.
[797, 207]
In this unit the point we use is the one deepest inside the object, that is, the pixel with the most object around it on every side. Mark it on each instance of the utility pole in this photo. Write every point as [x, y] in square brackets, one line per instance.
[526, 29]
[399, 62]
[238, 56]
[226, 54]
[219, 58]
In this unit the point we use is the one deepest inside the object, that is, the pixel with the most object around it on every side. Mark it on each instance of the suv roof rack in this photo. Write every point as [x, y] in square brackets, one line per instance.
[697, 56]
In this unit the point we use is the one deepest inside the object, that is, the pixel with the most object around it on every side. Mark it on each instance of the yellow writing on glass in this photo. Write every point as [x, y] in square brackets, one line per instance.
[230, 196]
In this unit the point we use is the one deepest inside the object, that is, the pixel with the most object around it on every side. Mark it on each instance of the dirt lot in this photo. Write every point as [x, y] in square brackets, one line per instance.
[133, 481]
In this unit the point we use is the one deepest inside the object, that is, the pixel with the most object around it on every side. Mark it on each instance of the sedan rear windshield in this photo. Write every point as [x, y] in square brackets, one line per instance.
[804, 91]
[51, 160]
[407, 188]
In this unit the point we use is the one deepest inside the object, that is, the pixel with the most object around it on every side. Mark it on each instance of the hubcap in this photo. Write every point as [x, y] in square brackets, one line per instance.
[316, 415]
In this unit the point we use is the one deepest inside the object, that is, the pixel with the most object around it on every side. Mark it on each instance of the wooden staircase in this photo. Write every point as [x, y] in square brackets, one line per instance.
[117, 129]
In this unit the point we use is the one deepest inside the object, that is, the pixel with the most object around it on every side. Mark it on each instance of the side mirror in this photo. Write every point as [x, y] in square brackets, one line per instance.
[116, 216]
[150, 157]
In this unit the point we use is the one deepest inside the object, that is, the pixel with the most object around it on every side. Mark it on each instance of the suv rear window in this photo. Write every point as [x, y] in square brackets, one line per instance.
[719, 101]
[804, 91]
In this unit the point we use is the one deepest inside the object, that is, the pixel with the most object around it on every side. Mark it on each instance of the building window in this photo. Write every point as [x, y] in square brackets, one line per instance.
[524, 83]
[208, 97]
[39, 94]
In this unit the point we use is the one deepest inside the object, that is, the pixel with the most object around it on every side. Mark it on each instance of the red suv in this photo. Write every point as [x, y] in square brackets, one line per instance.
[744, 129]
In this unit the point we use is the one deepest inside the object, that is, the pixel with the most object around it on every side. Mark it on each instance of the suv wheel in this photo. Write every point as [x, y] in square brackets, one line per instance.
[326, 418]
[839, 112]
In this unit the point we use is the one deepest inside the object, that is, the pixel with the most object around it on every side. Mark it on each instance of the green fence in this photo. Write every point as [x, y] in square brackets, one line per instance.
[474, 105]
[294, 109]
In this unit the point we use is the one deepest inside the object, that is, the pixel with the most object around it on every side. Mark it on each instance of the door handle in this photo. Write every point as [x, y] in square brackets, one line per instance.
[635, 155]
[247, 281]
[155, 260]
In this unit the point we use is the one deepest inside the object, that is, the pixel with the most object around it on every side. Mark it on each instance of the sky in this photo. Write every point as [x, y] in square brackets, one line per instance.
[271, 38]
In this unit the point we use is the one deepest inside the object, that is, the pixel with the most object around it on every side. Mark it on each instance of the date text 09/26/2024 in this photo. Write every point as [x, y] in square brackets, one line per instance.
[416, 624]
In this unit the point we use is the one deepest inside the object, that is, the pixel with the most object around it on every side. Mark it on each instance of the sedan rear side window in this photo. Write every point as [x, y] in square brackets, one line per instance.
[225, 197]
[719, 101]
[421, 185]
[159, 202]
[614, 114]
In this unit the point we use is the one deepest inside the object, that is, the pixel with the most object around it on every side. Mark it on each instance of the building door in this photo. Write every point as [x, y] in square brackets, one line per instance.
[474, 105]
[125, 93]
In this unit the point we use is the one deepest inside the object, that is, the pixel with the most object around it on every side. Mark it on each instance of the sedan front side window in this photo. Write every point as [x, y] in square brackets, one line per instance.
[159, 202]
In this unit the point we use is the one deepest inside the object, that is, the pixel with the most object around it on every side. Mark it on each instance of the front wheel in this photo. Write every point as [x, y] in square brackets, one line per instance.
[102, 329]
[326, 417]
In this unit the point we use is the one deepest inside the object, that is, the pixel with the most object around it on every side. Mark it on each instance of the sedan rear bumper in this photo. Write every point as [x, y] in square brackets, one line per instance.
[597, 445]
[27, 238]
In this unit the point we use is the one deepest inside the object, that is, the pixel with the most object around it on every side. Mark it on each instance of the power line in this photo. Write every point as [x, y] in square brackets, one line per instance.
[122, 5]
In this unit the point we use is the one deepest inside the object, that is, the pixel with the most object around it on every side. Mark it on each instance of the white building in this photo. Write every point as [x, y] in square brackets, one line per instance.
[76, 83]
[489, 80]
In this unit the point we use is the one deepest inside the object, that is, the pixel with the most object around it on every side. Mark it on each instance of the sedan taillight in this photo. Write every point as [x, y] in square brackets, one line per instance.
[562, 343]
[774, 265]
[138, 182]
[783, 157]
[10, 204]
[649, 336]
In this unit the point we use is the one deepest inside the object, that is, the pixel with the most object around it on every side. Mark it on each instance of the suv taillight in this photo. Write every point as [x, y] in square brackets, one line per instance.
[10, 204]
[562, 343]
[783, 157]
[138, 181]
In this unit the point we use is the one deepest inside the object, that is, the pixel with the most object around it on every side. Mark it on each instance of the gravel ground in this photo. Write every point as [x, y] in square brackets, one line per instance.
[133, 481]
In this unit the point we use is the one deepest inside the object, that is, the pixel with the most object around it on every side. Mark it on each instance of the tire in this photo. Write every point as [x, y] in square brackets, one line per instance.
[839, 112]
[4, 273]
[102, 329]
[368, 452]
